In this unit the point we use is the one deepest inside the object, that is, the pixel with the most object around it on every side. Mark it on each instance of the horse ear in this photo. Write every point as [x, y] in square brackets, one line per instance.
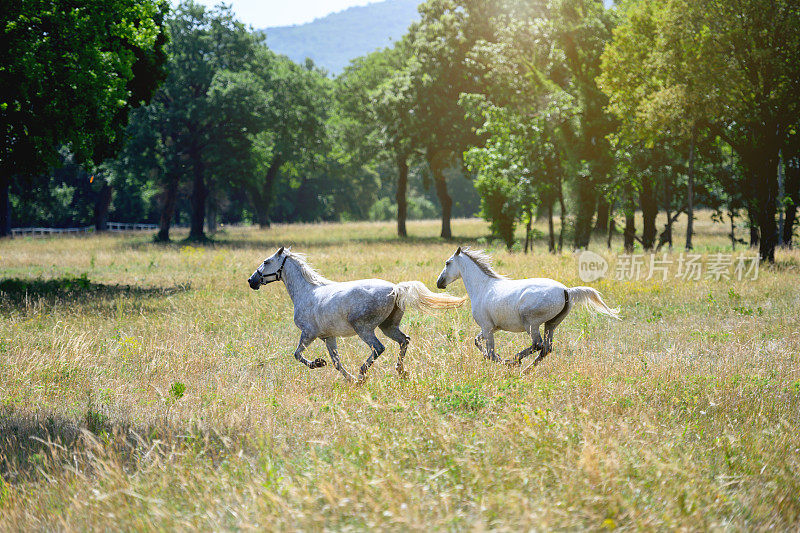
[458, 251]
[280, 251]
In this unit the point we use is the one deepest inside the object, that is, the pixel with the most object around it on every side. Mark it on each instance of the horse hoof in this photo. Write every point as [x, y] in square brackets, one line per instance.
[512, 363]
[402, 372]
[318, 363]
[360, 380]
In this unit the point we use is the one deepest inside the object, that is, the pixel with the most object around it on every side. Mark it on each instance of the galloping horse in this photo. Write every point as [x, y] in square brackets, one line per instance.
[325, 309]
[499, 303]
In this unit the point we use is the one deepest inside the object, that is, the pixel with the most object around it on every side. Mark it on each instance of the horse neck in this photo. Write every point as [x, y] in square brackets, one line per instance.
[475, 279]
[296, 284]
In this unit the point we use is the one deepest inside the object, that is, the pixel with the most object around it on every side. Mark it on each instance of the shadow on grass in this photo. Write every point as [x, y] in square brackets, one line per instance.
[35, 444]
[81, 288]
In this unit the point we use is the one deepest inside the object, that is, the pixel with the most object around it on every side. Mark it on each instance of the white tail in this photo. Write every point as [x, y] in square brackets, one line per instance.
[591, 298]
[415, 294]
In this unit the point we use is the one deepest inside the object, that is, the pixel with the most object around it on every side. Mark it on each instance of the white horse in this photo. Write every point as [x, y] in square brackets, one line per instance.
[325, 309]
[499, 303]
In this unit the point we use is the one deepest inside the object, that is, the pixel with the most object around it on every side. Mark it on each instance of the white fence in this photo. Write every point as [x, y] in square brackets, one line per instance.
[112, 226]
[124, 226]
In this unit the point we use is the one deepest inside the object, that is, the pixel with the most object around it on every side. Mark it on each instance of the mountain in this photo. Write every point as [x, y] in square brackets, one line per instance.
[334, 40]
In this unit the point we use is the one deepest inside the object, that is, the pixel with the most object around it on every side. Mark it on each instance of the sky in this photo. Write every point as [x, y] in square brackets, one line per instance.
[266, 13]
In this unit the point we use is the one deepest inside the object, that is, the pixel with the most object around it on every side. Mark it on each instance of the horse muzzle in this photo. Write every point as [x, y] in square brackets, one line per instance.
[255, 283]
[440, 283]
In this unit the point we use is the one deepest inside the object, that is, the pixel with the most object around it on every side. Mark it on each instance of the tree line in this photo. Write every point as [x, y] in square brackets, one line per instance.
[548, 107]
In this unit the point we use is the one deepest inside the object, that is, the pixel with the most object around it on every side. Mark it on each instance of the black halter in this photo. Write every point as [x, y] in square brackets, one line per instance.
[275, 276]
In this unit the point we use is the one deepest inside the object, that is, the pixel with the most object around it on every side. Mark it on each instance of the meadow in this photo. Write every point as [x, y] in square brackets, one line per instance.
[145, 386]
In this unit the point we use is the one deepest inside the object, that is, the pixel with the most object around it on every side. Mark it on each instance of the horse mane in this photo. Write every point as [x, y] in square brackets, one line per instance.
[483, 261]
[310, 275]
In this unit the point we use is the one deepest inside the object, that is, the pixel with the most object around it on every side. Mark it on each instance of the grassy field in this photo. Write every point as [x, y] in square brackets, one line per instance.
[145, 386]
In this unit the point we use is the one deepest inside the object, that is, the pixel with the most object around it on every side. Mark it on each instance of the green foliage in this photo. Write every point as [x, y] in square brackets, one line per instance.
[177, 390]
[468, 399]
[517, 167]
[50, 97]
[727, 71]
[419, 208]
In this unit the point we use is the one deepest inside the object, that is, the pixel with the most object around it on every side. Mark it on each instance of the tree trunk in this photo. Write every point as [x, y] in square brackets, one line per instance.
[211, 218]
[732, 217]
[437, 166]
[760, 163]
[765, 179]
[563, 210]
[752, 219]
[168, 209]
[648, 201]
[612, 227]
[788, 226]
[401, 196]
[5, 206]
[551, 242]
[667, 233]
[603, 210]
[262, 216]
[586, 201]
[528, 223]
[262, 200]
[199, 195]
[102, 206]
[629, 234]
[781, 194]
[793, 194]
[690, 194]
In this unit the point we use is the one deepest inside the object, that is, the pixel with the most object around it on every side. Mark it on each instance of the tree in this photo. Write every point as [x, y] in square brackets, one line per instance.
[518, 168]
[182, 118]
[292, 137]
[374, 123]
[581, 30]
[437, 75]
[71, 73]
[713, 66]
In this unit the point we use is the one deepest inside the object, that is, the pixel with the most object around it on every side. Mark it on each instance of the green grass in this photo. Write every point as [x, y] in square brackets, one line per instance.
[145, 386]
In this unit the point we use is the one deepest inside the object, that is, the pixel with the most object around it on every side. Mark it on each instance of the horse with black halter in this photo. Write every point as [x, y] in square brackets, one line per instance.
[325, 309]
[499, 303]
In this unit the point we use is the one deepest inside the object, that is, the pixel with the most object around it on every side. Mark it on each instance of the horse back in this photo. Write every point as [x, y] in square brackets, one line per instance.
[361, 303]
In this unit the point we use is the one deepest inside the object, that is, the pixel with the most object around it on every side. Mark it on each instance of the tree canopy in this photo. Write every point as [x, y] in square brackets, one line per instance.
[548, 107]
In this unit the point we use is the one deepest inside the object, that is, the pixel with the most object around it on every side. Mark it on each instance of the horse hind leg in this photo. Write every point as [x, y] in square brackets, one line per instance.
[536, 345]
[549, 331]
[547, 344]
[391, 328]
[372, 341]
[550, 328]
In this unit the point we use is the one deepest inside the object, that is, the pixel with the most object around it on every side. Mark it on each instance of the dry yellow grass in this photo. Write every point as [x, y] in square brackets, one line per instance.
[160, 392]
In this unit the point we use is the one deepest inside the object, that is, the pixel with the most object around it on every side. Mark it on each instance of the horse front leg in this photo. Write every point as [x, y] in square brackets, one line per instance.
[305, 340]
[480, 343]
[333, 350]
[490, 353]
